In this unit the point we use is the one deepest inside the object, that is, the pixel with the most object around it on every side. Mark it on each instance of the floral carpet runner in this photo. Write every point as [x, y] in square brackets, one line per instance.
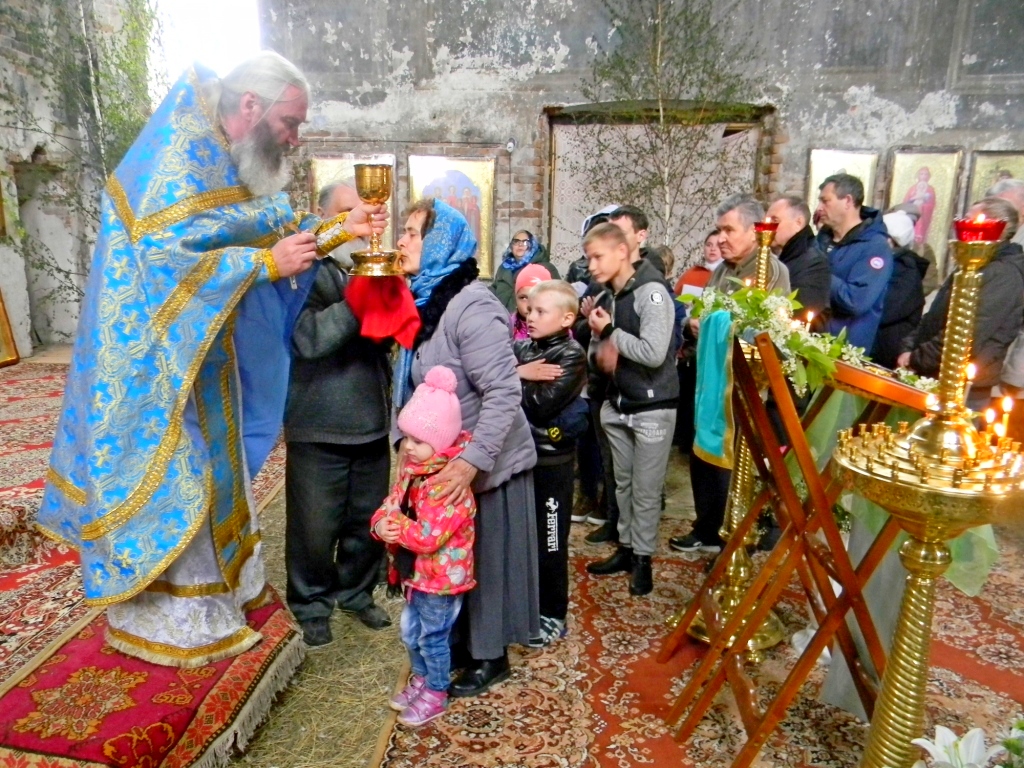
[65, 697]
[30, 398]
[597, 697]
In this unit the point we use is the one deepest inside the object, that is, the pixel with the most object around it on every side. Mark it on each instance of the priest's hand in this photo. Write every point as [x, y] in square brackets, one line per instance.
[366, 219]
[454, 481]
[294, 254]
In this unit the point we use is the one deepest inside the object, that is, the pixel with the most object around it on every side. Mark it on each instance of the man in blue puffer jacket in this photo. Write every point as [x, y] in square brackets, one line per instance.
[855, 240]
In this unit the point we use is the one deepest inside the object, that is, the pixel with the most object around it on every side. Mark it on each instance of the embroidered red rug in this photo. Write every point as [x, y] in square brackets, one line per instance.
[86, 704]
[598, 697]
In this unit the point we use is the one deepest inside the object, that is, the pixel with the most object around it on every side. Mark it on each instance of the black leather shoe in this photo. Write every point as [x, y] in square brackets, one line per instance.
[474, 680]
[606, 532]
[372, 616]
[620, 562]
[641, 582]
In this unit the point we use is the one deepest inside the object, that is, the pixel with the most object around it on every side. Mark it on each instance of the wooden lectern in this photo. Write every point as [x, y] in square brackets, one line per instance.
[810, 545]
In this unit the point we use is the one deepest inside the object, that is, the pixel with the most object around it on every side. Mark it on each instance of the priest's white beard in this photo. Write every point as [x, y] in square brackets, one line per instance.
[260, 160]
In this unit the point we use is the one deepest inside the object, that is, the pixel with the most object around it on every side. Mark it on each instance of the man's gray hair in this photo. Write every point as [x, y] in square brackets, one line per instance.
[749, 210]
[798, 205]
[1001, 187]
[266, 74]
[327, 192]
[998, 208]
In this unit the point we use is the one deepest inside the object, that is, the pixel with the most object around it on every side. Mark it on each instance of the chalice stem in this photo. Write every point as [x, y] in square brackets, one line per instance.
[899, 711]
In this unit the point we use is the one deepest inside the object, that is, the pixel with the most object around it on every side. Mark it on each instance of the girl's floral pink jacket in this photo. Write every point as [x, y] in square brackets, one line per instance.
[441, 535]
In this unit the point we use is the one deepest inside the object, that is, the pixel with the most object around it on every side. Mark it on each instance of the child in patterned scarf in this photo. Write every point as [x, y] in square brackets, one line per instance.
[430, 544]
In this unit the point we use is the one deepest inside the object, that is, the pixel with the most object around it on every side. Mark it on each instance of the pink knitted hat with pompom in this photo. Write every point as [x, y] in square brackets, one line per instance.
[433, 414]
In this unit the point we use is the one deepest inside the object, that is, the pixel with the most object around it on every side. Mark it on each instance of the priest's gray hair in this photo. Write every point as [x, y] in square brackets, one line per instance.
[749, 210]
[1003, 187]
[267, 74]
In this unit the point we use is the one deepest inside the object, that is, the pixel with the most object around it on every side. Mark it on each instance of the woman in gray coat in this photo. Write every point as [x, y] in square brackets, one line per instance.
[465, 328]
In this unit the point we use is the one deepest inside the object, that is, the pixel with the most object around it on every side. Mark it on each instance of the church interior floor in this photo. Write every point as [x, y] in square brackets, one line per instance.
[333, 712]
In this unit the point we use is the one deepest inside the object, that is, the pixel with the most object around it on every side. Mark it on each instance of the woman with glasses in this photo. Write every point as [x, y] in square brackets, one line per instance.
[524, 249]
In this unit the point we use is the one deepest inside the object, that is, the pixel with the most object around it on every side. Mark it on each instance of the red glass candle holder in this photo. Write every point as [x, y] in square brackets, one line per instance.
[980, 229]
[770, 224]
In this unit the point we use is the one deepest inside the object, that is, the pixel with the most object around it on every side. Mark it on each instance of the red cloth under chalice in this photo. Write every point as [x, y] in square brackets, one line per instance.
[385, 307]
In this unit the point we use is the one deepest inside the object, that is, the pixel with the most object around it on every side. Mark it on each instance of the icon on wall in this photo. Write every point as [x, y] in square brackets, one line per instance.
[927, 182]
[468, 187]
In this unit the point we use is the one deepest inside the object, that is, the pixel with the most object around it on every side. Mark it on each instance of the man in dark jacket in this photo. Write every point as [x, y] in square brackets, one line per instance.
[904, 298]
[999, 319]
[794, 244]
[336, 426]
[855, 241]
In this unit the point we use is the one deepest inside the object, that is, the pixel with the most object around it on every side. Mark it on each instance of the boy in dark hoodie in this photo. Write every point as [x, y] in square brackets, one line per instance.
[553, 369]
[633, 344]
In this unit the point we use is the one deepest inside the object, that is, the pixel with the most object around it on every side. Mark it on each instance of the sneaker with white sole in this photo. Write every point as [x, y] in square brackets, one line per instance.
[550, 630]
[690, 543]
[582, 509]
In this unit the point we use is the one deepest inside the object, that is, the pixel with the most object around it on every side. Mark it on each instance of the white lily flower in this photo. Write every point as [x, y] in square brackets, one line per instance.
[949, 751]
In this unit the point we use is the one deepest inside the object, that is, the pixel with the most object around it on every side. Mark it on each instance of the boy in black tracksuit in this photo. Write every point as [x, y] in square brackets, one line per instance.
[633, 343]
[553, 368]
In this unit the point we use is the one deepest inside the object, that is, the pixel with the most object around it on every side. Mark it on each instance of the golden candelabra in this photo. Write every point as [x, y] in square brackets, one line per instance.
[937, 477]
[741, 496]
[373, 185]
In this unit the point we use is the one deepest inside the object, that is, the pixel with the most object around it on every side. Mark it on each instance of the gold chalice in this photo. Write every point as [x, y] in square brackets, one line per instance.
[373, 185]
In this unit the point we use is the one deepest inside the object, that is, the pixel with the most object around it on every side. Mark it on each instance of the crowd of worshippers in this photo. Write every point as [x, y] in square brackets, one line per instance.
[574, 392]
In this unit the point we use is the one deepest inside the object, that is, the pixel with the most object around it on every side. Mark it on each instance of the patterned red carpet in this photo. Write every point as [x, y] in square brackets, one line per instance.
[30, 398]
[67, 699]
[88, 705]
[597, 698]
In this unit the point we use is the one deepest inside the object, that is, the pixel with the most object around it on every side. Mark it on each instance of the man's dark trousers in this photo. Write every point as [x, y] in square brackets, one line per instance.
[331, 493]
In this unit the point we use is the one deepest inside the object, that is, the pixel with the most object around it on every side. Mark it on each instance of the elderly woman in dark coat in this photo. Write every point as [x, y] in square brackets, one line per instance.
[465, 328]
[524, 249]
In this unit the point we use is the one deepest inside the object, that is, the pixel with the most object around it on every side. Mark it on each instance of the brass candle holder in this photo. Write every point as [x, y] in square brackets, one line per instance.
[373, 185]
[741, 496]
[937, 477]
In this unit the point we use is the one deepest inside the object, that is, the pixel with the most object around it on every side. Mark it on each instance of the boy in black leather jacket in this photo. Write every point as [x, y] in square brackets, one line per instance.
[553, 369]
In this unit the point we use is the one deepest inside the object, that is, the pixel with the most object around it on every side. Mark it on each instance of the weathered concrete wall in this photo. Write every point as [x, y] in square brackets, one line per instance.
[32, 157]
[876, 74]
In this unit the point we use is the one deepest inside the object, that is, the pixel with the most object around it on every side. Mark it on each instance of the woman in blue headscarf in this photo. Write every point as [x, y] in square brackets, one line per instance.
[466, 329]
[524, 249]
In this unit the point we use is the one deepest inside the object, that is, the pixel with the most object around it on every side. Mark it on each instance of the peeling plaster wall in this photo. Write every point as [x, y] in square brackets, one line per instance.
[55, 227]
[458, 78]
[876, 74]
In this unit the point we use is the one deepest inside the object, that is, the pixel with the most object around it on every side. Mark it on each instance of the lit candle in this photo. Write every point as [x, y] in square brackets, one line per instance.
[978, 229]
[770, 224]
[1007, 407]
[972, 369]
[990, 417]
[747, 282]
[810, 317]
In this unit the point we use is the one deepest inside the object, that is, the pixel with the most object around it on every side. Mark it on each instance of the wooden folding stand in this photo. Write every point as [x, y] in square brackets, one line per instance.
[810, 545]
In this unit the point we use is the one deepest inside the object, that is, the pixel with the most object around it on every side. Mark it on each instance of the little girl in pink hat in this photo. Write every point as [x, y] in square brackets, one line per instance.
[430, 544]
[529, 276]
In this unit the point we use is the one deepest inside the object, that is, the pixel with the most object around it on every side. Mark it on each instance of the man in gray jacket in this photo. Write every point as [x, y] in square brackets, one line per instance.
[336, 425]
